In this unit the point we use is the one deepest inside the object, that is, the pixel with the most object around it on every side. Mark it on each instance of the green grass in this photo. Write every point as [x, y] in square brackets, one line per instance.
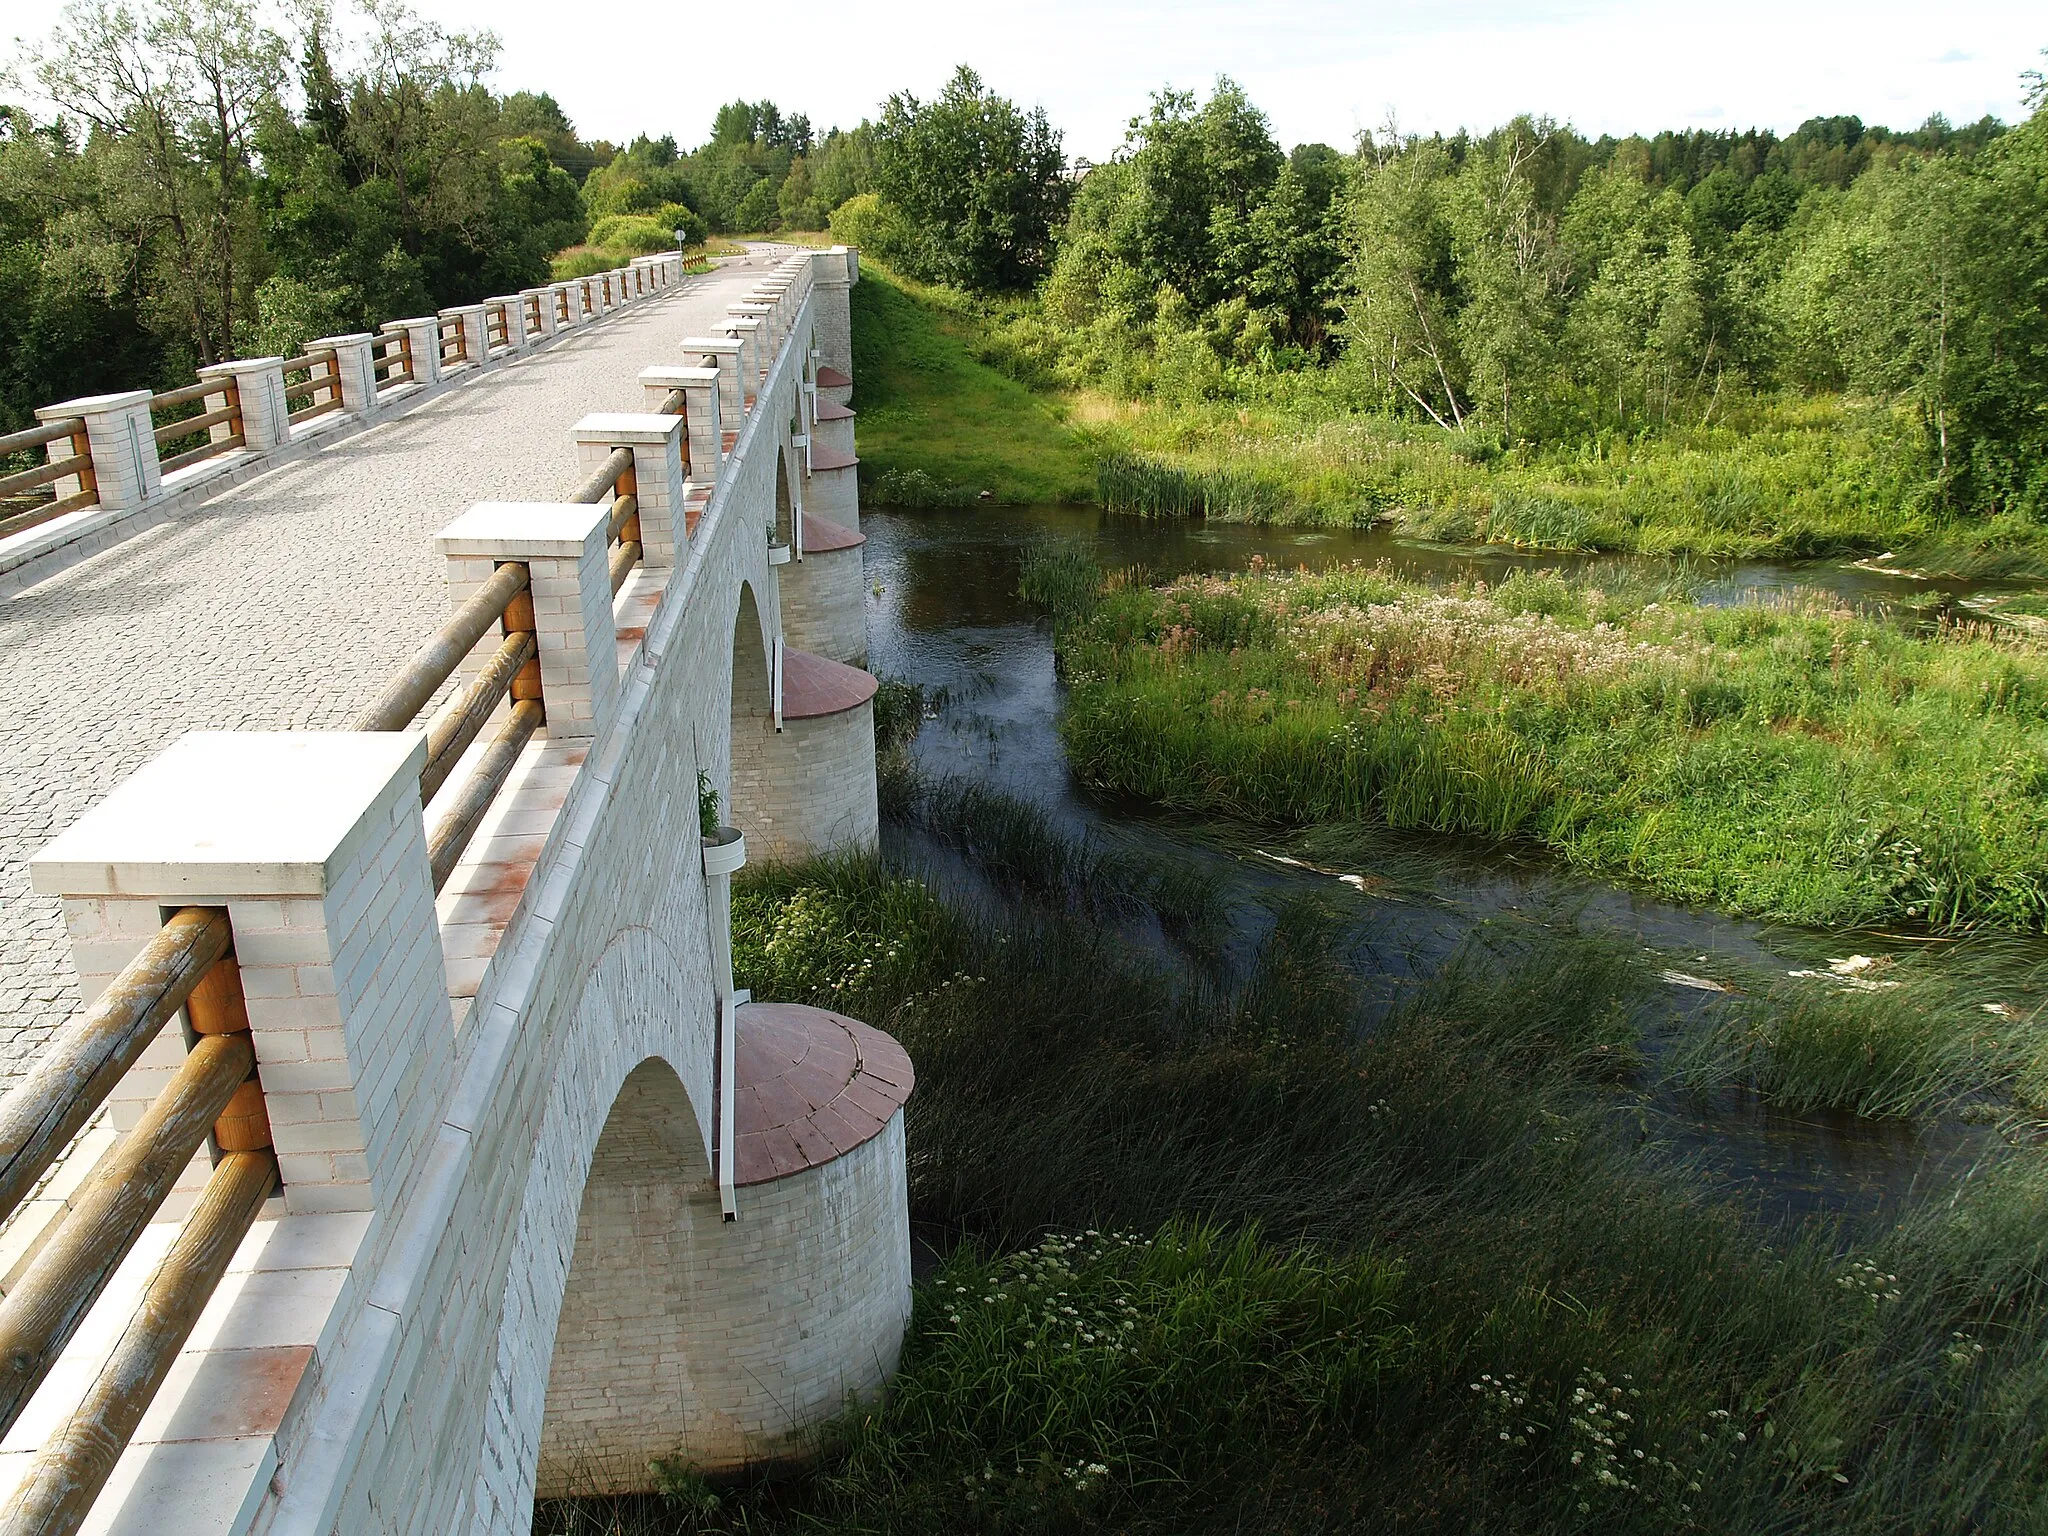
[965, 408]
[1419, 1277]
[938, 427]
[1790, 762]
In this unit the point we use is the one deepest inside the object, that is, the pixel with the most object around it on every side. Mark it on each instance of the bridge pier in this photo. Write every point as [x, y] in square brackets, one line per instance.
[716, 1344]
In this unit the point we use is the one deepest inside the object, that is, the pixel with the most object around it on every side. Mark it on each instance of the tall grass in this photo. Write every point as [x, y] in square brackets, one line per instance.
[1412, 1278]
[1791, 761]
[1136, 484]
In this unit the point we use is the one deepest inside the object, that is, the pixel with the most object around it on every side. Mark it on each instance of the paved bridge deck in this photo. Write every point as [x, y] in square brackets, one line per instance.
[283, 603]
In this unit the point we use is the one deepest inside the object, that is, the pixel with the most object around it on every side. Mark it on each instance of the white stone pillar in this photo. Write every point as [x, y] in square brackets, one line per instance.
[564, 303]
[355, 360]
[512, 311]
[565, 548]
[423, 338]
[753, 353]
[466, 321]
[119, 439]
[657, 444]
[703, 439]
[538, 309]
[722, 353]
[314, 843]
[259, 384]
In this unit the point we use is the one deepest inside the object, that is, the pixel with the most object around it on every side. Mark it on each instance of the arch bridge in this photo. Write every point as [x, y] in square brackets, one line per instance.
[408, 1152]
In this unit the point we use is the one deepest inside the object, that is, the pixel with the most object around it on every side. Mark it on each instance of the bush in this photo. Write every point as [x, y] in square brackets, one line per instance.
[877, 227]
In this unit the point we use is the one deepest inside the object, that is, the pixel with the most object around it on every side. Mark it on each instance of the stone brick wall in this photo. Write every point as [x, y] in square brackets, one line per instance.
[810, 787]
[823, 606]
[716, 1343]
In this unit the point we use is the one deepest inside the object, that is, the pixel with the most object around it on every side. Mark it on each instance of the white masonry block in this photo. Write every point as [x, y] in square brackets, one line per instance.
[753, 352]
[355, 360]
[119, 438]
[537, 310]
[722, 353]
[423, 340]
[657, 444]
[259, 385]
[568, 301]
[703, 443]
[509, 310]
[565, 548]
[463, 324]
[315, 844]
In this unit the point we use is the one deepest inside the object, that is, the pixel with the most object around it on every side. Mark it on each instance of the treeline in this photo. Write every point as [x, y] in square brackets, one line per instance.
[210, 187]
[1526, 289]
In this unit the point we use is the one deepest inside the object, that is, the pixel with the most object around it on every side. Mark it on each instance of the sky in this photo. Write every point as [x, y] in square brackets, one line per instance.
[1320, 70]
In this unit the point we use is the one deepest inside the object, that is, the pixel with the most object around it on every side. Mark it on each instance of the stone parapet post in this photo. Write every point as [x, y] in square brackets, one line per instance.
[119, 438]
[423, 339]
[567, 302]
[467, 323]
[259, 385]
[565, 548]
[657, 444]
[537, 309]
[315, 845]
[703, 441]
[753, 353]
[355, 362]
[722, 353]
[512, 307]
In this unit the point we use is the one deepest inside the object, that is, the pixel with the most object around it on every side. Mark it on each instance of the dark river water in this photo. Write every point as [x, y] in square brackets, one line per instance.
[943, 612]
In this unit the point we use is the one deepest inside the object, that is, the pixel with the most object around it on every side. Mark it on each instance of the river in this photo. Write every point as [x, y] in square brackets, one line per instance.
[943, 612]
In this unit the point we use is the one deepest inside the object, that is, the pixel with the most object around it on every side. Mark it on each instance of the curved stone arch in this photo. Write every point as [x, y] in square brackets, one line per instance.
[629, 1011]
[785, 494]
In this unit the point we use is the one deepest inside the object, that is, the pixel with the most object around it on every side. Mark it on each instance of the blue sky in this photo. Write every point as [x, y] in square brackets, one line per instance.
[1321, 70]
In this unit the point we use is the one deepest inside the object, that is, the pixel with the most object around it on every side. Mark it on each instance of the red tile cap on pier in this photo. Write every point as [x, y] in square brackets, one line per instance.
[808, 1087]
[831, 458]
[827, 411]
[832, 378]
[821, 537]
[813, 686]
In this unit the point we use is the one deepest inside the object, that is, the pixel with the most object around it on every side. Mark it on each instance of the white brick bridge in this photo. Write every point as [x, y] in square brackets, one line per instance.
[421, 1157]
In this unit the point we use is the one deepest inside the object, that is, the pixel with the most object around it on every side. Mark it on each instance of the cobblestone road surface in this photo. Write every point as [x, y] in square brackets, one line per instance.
[282, 604]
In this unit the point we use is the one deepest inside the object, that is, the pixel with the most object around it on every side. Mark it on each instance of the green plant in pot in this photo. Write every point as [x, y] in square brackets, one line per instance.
[724, 848]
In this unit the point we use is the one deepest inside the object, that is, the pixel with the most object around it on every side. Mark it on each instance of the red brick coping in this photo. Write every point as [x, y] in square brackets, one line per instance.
[831, 458]
[808, 1087]
[827, 411]
[832, 378]
[813, 686]
[821, 537]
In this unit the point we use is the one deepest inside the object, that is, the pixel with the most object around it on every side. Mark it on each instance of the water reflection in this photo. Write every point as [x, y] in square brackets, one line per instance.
[944, 612]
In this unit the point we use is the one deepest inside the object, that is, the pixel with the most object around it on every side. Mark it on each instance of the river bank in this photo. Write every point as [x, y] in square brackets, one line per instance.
[954, 405]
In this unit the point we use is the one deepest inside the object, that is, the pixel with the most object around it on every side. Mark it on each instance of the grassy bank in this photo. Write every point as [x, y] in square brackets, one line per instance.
[1793, 762]
[1222, 1263]
[1782, 478]
[938, 427]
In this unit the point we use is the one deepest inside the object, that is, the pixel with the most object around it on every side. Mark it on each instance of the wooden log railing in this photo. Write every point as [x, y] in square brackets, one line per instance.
[215, 1092]
[615, 478]
[227, 414]
[323, 377]
[26, 482]
[393, 364]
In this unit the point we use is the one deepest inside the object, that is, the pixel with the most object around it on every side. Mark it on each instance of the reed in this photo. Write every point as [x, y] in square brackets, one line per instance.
[1415, 1276]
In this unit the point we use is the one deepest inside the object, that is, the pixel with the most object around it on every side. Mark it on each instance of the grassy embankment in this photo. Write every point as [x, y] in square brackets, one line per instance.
[1793, 762]
[938, 427]
[1780, 478]
[1317, 1279]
